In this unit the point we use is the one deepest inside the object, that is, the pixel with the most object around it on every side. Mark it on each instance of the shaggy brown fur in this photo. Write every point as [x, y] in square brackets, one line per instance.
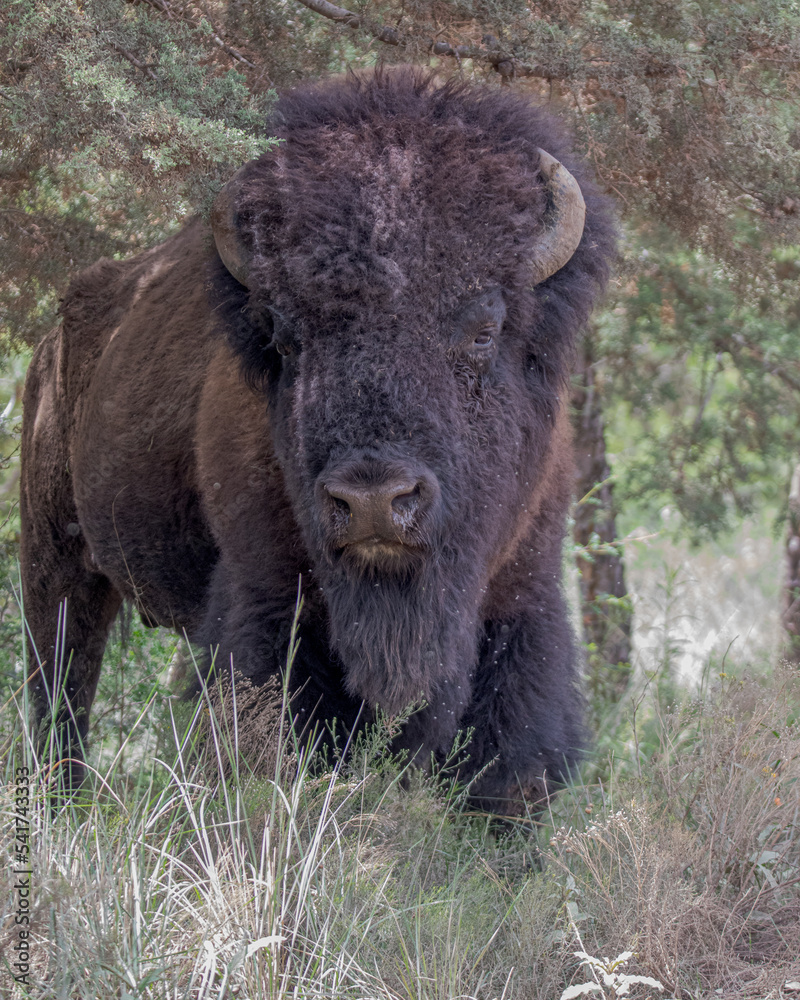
[197, 460]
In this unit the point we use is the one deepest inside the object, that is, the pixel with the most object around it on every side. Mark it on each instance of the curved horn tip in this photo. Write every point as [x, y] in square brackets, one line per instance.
[227, 237]
[567, 217]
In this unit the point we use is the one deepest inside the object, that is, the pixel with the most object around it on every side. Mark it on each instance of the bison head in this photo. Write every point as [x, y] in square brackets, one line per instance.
[404, 276]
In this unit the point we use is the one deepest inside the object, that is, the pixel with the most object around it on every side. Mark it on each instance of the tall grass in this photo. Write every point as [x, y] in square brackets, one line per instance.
[208, 858]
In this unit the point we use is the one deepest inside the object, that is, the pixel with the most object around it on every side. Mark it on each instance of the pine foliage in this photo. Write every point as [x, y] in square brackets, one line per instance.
[119, 116]
[116, 118]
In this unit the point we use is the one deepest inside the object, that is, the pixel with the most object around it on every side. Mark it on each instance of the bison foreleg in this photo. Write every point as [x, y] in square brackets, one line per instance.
[248, 629]
[525, 714]
[68, 622]
[68, 605]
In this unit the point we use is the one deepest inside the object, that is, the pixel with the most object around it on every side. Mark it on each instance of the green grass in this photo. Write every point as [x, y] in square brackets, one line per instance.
[205, 860]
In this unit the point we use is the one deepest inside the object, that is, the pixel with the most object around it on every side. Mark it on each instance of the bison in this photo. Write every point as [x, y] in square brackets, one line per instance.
[353, 376]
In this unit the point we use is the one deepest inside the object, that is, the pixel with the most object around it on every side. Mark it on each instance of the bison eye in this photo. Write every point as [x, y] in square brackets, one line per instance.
[283, 349]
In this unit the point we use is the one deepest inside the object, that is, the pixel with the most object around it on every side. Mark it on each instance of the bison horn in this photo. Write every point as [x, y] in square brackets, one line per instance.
[227, 235]
[565, 218]
[559, 242]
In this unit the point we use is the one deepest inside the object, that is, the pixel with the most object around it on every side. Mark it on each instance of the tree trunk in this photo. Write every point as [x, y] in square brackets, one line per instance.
[605, 606]
[791, 588]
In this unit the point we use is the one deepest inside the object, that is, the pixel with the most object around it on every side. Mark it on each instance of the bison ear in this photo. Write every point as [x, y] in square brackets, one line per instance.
[235, 255]
[252, 339]
[564, 219]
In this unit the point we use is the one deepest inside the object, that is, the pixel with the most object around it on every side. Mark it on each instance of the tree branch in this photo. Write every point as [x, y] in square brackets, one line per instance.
[501, 61]
[333, 12]
[218, 40]
[383, 33]
[161, 5]
[146, 68]
[165, 8]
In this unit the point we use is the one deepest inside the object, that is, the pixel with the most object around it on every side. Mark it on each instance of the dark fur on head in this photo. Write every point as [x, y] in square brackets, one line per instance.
[289, 234]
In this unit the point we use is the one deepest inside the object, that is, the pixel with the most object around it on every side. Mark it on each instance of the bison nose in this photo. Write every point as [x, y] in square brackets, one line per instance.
[384, 511]
[375, 512]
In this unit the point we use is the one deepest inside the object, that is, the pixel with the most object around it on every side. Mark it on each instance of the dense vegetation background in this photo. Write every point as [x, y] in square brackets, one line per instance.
[118, 118]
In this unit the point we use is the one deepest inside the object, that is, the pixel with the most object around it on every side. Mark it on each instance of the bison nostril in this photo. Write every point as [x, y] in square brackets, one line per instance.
[340, 512]
[405, 504]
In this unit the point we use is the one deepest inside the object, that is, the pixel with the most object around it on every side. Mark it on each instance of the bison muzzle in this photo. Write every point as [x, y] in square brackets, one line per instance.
[356, 375]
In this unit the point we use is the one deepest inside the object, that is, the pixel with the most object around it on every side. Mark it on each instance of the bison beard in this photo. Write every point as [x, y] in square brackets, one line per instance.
[402, 636]
[355, 376]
